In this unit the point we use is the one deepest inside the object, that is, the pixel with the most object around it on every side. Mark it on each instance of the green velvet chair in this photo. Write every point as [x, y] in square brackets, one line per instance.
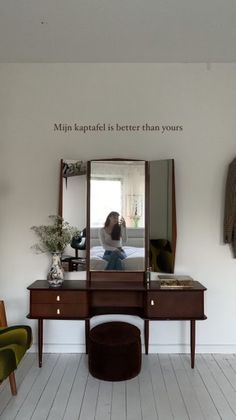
[14, 342]
[161, 256]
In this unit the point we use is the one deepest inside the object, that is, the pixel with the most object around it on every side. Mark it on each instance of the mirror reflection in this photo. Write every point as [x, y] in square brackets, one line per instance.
[162, 216]
[119, 186]
[117, 215]
[74, 192]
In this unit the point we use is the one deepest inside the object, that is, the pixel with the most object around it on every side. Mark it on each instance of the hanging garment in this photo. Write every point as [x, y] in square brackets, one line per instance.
[230, 208]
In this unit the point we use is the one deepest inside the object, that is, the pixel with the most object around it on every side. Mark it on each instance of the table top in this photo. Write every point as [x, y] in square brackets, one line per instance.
[66, 285]
[153, 285]
[156, 285]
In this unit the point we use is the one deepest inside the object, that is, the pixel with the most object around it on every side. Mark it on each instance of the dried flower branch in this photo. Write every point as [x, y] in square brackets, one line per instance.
[54, 237]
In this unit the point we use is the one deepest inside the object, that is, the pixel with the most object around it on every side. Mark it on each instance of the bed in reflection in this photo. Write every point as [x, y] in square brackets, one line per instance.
[134, 260]
[134, 250]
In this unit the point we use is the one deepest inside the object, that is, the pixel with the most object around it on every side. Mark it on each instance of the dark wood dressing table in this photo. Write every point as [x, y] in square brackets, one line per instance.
[81, 300]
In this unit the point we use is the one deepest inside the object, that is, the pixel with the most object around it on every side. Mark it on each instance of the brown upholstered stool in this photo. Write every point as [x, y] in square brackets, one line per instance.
[114, 351]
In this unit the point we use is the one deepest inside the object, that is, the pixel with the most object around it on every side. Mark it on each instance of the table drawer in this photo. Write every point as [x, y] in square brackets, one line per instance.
[175, 304]
[59, 310]
[56, 296]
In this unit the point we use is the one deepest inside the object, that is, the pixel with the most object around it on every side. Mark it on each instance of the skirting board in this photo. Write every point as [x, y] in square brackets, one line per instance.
[153, 348]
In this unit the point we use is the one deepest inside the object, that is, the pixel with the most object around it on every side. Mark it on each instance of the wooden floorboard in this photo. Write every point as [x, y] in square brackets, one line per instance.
[161, 398]
[166, 389]
[148, 406]
[201, 392]
[187, 391]
[76, 397]
[103, 410]
[118, 402]
[133, 400]
[214, 388]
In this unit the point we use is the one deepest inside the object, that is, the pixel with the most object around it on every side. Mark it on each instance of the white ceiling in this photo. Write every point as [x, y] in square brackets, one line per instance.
[118, 31]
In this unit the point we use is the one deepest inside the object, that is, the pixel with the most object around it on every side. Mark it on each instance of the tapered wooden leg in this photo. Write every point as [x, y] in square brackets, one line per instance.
[192, 341]
[87, 329]
[12, 380]
[40, 341]
[146, 335]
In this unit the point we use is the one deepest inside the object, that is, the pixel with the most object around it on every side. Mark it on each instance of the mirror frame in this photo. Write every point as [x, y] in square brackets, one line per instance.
[124, 275]
[94, 275]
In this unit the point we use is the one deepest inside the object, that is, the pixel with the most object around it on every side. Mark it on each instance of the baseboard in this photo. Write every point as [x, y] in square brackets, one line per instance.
[59, 348]
[185, 348]
[153, 348]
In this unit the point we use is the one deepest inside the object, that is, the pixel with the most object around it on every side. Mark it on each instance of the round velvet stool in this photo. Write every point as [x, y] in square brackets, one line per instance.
[114, 351]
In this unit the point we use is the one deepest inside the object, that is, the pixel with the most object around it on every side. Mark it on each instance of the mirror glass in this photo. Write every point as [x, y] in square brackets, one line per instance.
[117, 215]
[118, 185]
[73, 209]
[162, 218]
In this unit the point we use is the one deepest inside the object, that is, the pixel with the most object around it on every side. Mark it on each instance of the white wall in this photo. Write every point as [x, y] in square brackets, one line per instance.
[35, 96]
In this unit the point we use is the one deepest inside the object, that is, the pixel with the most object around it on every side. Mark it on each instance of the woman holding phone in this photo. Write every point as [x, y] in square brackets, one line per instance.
[112, 237]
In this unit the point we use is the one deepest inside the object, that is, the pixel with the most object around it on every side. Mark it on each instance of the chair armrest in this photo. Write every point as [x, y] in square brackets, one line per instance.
[19, 334]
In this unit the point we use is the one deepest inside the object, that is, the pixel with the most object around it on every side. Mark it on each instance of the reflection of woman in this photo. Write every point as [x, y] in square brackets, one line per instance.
[112, 236]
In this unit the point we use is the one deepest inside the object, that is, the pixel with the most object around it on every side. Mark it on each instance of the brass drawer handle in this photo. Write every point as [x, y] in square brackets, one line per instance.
[58, 312]
[152, 302]
[58, 298]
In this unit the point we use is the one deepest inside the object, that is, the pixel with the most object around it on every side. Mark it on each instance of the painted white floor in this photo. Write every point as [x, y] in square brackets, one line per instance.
[167, 388]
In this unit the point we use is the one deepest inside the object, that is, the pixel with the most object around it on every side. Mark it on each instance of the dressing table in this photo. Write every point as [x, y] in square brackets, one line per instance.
[76, 300]
[147, 201]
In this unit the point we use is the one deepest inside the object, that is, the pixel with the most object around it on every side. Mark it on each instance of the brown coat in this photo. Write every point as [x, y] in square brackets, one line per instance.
[230, 208]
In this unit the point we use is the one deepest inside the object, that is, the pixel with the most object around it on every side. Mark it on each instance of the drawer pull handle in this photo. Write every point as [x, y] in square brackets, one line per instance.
[152, 302]
[58, 298]
[58, 312]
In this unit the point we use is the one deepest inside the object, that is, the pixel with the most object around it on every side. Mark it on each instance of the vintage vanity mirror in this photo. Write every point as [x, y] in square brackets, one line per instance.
[142, 192]
[117, 186]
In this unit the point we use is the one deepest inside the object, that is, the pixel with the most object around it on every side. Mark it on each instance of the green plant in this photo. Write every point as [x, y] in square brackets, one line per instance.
[54, 237]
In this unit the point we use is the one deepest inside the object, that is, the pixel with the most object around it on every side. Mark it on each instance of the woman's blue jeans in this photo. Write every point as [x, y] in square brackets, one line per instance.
[114, 259]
